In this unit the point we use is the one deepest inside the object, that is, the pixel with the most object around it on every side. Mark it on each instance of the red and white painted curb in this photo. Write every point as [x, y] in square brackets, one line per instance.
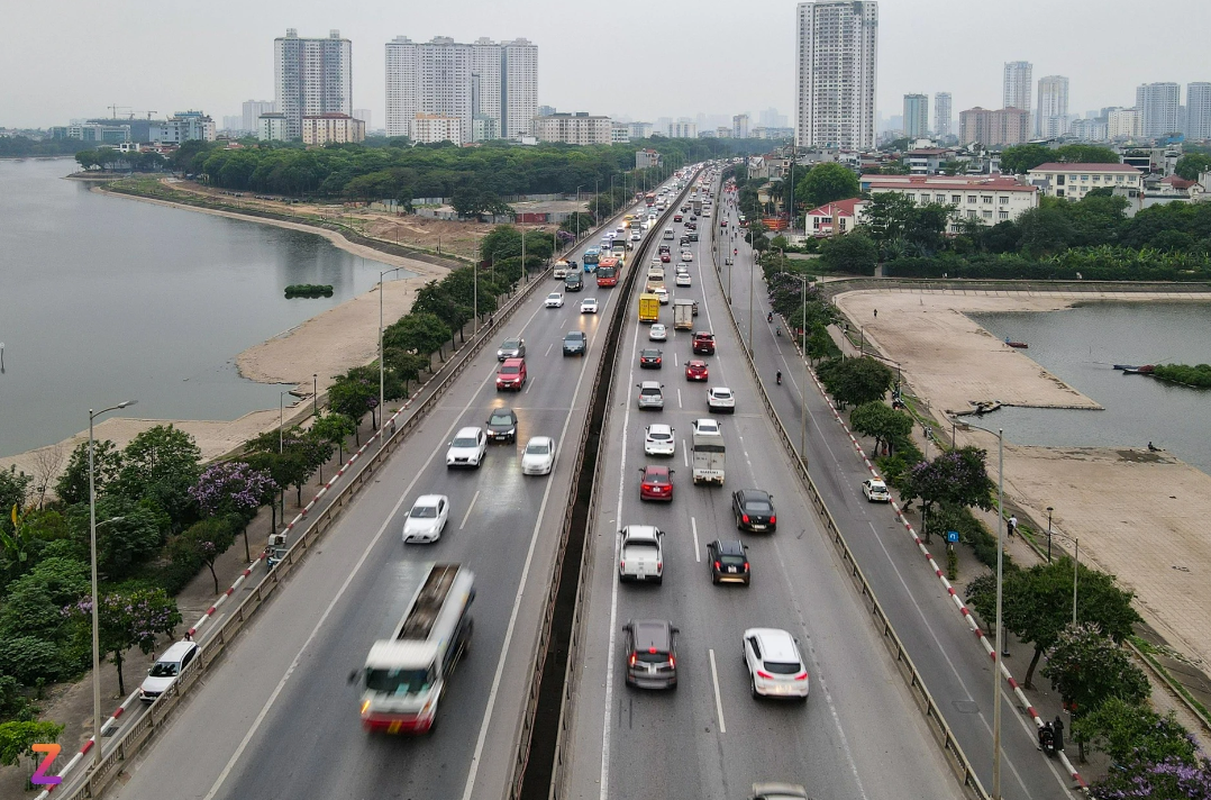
[989, 648]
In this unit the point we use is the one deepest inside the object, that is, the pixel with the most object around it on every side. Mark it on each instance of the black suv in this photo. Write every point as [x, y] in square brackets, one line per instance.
[754, 510]
[651, 653]
[574, 343]
[729, 562]
[502, 425]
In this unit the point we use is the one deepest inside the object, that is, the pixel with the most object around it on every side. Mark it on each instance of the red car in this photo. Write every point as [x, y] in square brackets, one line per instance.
[676, 218]
[665, 258]
[695, 371]
[704, 343]
[657, 483]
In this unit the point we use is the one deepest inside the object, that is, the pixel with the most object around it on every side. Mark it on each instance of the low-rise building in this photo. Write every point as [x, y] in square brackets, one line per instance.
[184, 126]
[620, 133]
[988, 198]
[271, 127]
[646, 159]
[927, 160]
[835, 218]
[1074, 181]
[340, 128]
[434, 128]
[579, 128]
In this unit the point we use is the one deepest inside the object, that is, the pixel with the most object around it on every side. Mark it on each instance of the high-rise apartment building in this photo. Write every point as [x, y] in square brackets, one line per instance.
[1123, 123]
[994, 128]
[836, 59]
[252, 110]
[579, 128]
[683, 128]
[1051, 120]
[364, 115]
[1158, 105]
[312, 77]
[1016, 93]
[916, 116]
[740, 126]
[1198, 110]
[471, 82]
[941, 114]
[518, 87]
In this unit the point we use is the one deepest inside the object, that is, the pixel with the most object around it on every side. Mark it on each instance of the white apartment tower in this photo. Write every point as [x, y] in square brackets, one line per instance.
[486, 77]
[941, 114]
[252, 111]
[835, 62]
[518, 87]
[916, 116]
[1052, 117]
[1157, 104]
[312, 77]
[1016, 92]
[1198, 110]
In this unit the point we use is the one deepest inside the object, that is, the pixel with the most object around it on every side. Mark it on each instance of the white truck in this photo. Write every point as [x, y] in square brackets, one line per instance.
[406, 675]
[683, 315]
[708, 452]
[641, 554]
[561, 269]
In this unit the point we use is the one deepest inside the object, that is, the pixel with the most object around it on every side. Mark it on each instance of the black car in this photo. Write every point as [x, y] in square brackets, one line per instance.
[651, 653]
[575, 343]
[754, 510]
[729, 562]
[502, 425]
[650, 358]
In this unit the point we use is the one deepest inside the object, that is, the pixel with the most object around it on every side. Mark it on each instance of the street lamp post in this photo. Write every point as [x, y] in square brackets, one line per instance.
[381, 368]
[1049, 510]
[96, 602]
[578, 212]
[315, 394]
[806, 373]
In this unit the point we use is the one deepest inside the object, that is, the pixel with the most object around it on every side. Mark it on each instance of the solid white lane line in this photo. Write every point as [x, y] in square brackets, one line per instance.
[718, 697]
[550, 347]
[469, 507]
[679, 399]
[694, 528]
[685, 451]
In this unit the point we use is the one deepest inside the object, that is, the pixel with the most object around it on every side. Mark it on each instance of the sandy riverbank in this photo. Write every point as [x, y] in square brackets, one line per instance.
[1137, 514]
[325, 345]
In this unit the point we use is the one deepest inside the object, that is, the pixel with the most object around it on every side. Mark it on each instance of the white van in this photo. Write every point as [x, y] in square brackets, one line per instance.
[668, 234]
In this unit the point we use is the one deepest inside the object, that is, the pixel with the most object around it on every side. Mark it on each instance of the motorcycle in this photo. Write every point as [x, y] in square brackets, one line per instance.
[1047, 740]
[779, 378]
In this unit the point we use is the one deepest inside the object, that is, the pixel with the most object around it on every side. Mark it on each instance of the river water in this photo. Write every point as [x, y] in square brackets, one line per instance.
[1080, 346]
[104, 299]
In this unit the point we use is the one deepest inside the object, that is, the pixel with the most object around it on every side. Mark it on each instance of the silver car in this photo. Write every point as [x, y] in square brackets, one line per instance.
[651, 395]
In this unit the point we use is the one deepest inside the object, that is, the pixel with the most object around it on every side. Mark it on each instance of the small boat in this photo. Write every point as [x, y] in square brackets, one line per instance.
[1018, 345]
[1125, 367]
[1146, 369]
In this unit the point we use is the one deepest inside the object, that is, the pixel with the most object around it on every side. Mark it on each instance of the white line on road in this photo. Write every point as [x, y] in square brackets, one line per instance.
[679, 399]
[694, 528]
[469, 507]
[718, 698]
[550, 347]
[685, 451]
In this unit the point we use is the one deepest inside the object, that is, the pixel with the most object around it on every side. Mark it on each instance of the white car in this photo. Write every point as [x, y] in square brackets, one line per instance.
[554, 300]
[682, 279]
[588, 305]
[467, 448]
[427, 519]
[686, 255]
[658, 333]
[876, 491]
[663, 294]
[168, 667]
[539, 456]
[658, 440]
[682, 269]
[721, 398]
[636, 236]
[775, 668]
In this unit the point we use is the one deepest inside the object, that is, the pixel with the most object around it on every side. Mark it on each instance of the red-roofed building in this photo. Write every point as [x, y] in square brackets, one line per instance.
[837, 217]
[987, 198]
[1074, 181]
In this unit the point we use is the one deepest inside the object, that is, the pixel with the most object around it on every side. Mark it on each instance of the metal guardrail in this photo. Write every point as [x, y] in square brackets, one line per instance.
[951, 749]
[605, 371]
[143, 731]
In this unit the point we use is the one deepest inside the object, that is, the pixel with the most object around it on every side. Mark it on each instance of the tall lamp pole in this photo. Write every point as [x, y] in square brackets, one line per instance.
[92, 531]
[381, 368]
[1049, 510]
[1000, 652]
[806, 374]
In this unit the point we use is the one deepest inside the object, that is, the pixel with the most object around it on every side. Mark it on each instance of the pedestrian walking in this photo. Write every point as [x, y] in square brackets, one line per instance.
[1013, 525]
[876, 313]
[1058, 727]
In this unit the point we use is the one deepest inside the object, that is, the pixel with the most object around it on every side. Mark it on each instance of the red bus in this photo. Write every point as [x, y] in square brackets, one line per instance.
[608, 269]
[650, 198]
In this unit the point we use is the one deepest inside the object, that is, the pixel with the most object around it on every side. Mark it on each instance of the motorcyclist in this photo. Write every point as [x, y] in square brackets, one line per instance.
[770, 318]
[779, 377]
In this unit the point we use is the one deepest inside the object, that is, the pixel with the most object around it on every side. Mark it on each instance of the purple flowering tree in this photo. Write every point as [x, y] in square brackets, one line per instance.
[955, 478]
[128, 619]
[233, 487]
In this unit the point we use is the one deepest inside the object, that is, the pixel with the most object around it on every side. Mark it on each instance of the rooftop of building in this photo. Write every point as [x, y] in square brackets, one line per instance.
[1053, 166]
[837, 208]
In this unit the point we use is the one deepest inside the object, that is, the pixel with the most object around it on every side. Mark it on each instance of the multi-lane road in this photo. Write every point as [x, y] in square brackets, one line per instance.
[278, 716]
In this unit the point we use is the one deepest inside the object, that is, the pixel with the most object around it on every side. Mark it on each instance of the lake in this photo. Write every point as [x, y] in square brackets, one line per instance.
[105, 299]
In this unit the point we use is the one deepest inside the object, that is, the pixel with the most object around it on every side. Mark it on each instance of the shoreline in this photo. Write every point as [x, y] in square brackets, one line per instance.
[1137, 514]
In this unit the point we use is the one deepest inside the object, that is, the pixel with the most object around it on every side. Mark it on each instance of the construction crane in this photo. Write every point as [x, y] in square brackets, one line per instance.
[148, 113]
[113, 110]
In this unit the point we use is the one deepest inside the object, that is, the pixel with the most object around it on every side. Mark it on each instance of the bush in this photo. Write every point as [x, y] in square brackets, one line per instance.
[308, 290]
[28, 658]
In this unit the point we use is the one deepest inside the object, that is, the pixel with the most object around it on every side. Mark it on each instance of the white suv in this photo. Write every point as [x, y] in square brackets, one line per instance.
[658, 441]
[168, 667]
[467, 448]
[775, 668]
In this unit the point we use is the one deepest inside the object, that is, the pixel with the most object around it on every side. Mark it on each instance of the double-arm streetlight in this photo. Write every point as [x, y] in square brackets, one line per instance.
[381, 369]
[92, 530]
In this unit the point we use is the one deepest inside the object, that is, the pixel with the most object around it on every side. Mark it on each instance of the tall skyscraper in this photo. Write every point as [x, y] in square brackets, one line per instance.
[740, 126]
[1198, 110]
[486, 76]
[916, 116]
[836, 60]
[312, 77]
[1051, 120]
[1157, 104]
[1017, 85]
[253, 109]
[941, 114]
[518, 87]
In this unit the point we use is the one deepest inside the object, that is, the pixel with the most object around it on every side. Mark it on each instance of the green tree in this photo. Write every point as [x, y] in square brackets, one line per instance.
[72, 486]
[1045, 230]
[1038, 604]
[1086, 154]
[1127, 731]
[878, 420]
[335, 429]
[209, 538]
[1088, 668]
[160, 464]
[417, 332]
[854, 381]
[352, 397]
[825, 183]
[129, 618]
[231, 491]
[852, 254]
[1192, 165]
[18, 738]
[1020, 159]
[28, 658]
[14, 490]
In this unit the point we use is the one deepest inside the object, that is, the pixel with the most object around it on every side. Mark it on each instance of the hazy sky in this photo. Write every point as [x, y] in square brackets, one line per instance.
[656, 58]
